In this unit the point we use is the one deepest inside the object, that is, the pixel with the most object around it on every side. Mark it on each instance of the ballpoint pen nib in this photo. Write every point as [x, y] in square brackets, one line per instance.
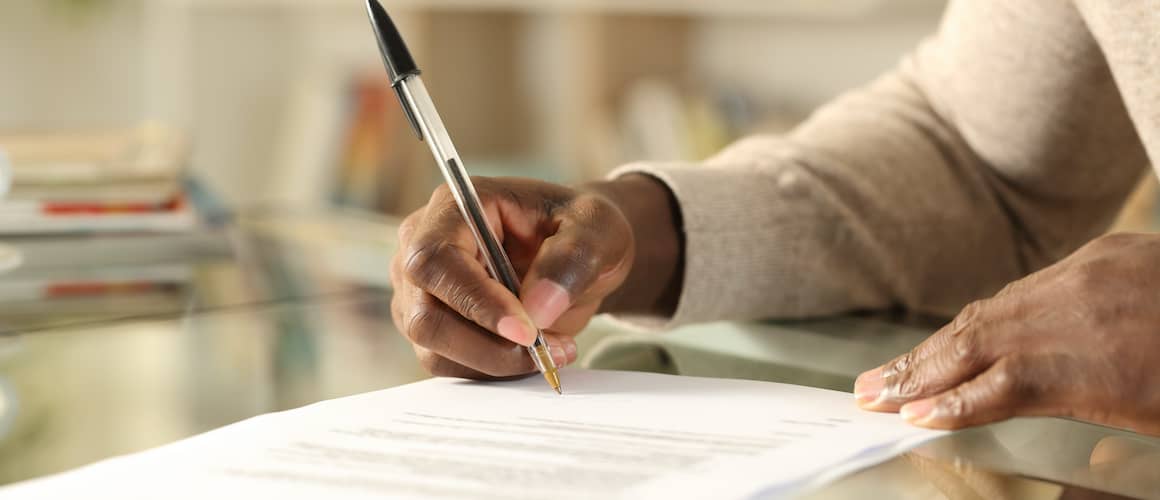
[554, 380]
[543, 359]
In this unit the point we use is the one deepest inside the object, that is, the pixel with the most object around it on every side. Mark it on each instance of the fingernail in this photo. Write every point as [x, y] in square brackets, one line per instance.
[869, 386]
[559, 355]
[516, 330]
[570, 349]
[545, 301]
[918, 411]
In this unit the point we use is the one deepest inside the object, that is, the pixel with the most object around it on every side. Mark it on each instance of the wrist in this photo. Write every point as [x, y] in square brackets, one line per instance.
[654, 281]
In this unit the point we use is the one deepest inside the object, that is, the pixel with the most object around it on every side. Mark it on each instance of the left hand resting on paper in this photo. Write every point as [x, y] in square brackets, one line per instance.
[1078, 339]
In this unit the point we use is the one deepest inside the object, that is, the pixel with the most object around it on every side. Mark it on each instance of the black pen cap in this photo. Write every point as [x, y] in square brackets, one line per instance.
[397, 58]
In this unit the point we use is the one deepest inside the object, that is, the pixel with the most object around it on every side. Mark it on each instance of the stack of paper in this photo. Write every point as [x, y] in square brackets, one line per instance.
[120, 180]
[613, 434]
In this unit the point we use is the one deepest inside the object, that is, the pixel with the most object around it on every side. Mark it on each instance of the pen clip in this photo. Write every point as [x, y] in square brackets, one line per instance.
[410, 113]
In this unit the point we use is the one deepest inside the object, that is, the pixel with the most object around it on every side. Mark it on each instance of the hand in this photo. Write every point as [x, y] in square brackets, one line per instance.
[571, 247]
[1078, 339]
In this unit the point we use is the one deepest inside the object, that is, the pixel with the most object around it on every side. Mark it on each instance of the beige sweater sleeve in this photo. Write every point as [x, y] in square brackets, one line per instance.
[1000, 145]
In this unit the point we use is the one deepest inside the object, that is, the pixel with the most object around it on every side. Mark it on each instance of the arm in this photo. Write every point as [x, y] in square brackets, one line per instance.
[997, 147]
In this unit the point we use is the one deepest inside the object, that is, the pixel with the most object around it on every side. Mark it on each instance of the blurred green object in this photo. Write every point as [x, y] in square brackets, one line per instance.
[81, 3]
[80, 6]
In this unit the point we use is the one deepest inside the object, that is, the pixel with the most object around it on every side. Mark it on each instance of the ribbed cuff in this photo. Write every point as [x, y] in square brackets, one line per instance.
[707, 200]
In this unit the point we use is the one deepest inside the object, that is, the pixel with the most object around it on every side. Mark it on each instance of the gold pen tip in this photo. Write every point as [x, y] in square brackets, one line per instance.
[554, 380]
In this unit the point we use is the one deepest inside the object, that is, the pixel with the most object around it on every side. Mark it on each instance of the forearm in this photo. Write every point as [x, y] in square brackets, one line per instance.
[655, 279]
[925, 190]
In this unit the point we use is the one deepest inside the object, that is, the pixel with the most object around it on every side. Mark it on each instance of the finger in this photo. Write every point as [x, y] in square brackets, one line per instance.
[959, 357]
[402, 301]
[438, 262]
[1012, 386]
[440, 366]
[432, 325]
[870, 384]
[433, 363]
[586, 257]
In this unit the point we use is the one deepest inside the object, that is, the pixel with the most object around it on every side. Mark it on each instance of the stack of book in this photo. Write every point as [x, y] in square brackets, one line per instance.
[113, 181]
[73, 279]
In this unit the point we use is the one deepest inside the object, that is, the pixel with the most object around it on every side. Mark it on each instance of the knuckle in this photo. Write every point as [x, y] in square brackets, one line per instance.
[464, 298]
[966, 348]
[908, 384]
[969, 315]
[1009, 382]
[598, 216]
[1003, 381]
[589, 207]
[441, 193]
[580, 258]
[899, 365]
[583, 256]
[421, 264]
[424, 322]
[955, 406]
[1010, 288]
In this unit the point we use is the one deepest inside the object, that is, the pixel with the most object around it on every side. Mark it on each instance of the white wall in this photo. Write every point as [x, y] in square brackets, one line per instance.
[797, 64]
[66, 68]
[232, 85]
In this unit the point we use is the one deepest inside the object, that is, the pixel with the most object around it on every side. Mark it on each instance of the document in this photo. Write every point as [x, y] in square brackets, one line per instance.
[612, 434]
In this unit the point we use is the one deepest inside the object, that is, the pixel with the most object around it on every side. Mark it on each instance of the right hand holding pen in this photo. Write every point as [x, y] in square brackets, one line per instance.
[571, 248]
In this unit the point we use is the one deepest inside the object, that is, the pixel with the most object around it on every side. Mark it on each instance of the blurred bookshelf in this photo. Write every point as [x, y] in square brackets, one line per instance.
[275, 95]
[656, 7]
[562, 90]
[284, 101]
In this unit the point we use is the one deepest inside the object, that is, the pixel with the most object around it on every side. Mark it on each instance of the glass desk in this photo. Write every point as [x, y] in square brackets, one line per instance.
[114, 345]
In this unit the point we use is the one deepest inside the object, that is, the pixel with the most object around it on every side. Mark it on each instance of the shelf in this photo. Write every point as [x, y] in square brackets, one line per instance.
[699, 8]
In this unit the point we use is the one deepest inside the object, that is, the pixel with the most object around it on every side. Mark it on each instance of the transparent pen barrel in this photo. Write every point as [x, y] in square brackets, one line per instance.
[431, 126]
[437, 138]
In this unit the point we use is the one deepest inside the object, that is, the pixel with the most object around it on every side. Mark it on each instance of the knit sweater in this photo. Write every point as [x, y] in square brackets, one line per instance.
[999, 145]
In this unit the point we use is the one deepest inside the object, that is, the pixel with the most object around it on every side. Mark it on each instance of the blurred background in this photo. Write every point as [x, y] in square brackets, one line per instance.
[131, 313]
[284, 100]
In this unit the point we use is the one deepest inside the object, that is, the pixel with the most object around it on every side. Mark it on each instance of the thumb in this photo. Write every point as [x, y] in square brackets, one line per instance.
[575, 265]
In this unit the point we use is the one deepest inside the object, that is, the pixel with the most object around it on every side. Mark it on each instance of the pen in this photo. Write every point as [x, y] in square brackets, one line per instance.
[420, 112]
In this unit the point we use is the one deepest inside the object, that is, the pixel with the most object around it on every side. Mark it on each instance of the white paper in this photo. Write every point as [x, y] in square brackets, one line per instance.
[626, 434]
